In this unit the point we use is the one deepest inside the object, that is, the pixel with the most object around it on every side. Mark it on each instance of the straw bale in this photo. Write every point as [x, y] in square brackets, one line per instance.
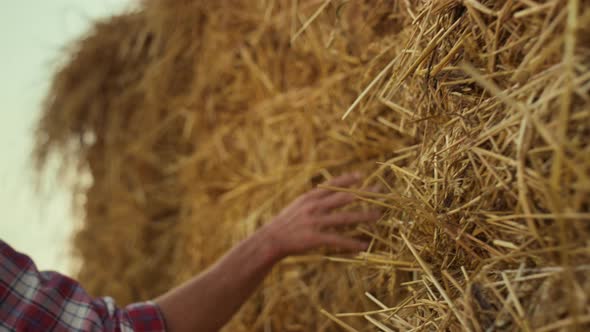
[199, 120]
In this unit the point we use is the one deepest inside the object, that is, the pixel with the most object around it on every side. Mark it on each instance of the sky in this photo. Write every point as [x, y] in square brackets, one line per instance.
[32, 36]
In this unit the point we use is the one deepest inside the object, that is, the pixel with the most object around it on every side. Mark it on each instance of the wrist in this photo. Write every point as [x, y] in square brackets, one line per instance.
[272, 249]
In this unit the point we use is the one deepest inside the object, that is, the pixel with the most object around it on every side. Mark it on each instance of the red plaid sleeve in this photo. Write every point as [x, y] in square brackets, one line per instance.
[47, 301]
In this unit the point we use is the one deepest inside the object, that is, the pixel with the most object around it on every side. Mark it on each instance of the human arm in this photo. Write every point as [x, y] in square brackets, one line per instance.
[208, 301]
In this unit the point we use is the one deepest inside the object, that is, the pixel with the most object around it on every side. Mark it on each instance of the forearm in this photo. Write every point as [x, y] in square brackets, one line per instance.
[207, 302]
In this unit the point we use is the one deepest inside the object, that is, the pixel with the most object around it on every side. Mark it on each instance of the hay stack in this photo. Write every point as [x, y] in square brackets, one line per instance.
[199, 120]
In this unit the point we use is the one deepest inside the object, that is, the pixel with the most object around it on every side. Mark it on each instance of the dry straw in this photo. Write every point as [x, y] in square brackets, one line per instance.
[199, 120]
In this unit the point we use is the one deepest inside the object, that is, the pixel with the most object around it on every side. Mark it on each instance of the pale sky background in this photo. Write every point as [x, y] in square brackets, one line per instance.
[32, 35]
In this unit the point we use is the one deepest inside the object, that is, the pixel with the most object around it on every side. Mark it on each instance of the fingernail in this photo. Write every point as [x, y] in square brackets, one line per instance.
[378, 188]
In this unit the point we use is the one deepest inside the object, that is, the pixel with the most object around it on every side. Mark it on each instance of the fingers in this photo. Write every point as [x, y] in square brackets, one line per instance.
[345, 180]
[348, 218]
[335, 201]
[341, 199]
[378, 188]
[340, 242]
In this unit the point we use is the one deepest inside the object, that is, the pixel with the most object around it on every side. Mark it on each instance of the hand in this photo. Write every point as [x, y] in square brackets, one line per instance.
[302, 225]
[208, 301]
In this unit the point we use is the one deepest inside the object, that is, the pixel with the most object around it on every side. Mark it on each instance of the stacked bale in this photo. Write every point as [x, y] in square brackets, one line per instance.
[198, 121]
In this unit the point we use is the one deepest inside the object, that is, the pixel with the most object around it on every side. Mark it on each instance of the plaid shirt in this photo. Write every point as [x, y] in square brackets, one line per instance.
[47, 301]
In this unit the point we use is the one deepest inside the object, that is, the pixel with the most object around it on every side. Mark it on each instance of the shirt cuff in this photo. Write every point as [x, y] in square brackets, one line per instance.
[145, 317]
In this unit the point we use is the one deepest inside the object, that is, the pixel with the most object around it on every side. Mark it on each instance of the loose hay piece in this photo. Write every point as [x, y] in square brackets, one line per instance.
[200, 120]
